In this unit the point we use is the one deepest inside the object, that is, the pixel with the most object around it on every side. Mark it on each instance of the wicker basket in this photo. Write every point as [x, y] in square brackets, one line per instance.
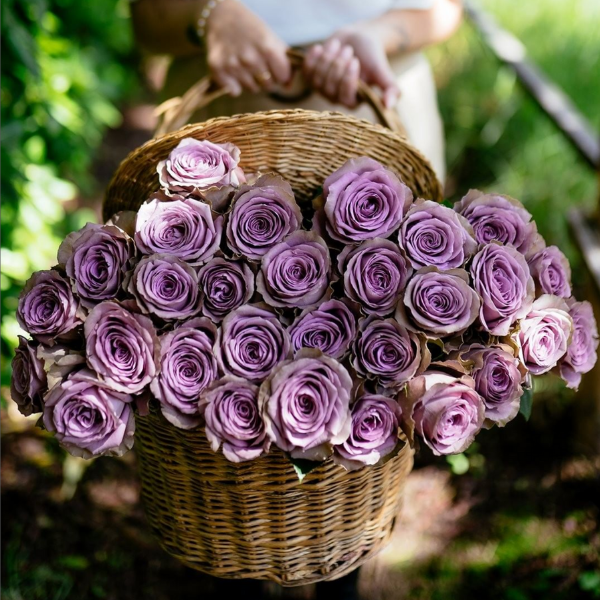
[256, 520]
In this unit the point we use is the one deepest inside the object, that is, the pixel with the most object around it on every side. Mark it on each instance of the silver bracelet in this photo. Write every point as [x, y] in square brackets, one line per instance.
[208, 8]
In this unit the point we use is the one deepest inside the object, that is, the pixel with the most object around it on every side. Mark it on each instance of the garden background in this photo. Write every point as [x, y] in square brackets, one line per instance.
[516, 518]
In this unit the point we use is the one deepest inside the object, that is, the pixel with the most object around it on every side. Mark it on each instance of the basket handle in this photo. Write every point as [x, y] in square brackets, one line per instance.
[176, 112]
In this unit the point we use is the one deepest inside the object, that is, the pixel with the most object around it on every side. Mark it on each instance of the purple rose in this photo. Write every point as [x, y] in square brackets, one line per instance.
[250, 342]
[329, 328]
[375, 274]
[373, 434]
[121, 347]
[501, 219]
[364, 200]
[551, 272]
[545, 333]
[88, 418]
[166, 287]
[28, 383]
[387, 352]
[434, 235]
[187, 366]
[263, 214]
[305, 404]
[224, 285]
[295, 273]
[581, 355]
[47, 308]
[498, 377]
[501, 277]
[233, 419]
[199, 165]
[182, 227]
[444, 410]
[439, 303]
[96, 258]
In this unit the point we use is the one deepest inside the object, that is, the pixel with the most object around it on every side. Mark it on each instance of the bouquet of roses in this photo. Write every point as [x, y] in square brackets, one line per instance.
[323, 330]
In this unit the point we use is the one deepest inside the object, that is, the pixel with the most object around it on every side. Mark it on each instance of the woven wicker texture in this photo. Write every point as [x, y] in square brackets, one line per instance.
[255, 519]
[302, 146]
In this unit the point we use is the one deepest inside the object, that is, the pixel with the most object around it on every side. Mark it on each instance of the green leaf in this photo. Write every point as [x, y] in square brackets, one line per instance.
[526, 403]
[448, 203]
[459, 463]
[303, 467]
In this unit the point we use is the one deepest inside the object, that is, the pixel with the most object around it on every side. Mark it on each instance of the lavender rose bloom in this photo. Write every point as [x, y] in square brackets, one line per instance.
[498, 377]
[444, 410]
[501, 219]
[199, 165]
[47, 308]
[251, 342]
[187, 367]
[305, 404]
[182, 227]
[121, 347]
[233, 419]
[364, 200]
[501, 277]
[373, 434]
[439, 303]
[166, 287]
[96, 258]
[88, 418]
[375, 274]
[28, 383]
[387, 352]
[329, 328]
[581, 355]
[295, 273]
[551, 272]
[434, 235]
[224, 285]
[545, 333]
[263, 214]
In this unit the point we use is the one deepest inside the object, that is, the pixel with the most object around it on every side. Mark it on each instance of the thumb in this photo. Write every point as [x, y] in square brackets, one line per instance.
[381, 75]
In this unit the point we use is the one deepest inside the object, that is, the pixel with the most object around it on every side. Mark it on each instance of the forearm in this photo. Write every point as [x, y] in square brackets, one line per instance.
[409, 30]
[162, 26]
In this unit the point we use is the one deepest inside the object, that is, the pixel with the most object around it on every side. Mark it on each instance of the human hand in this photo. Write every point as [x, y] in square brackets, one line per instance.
[242, 52]
[335, 67]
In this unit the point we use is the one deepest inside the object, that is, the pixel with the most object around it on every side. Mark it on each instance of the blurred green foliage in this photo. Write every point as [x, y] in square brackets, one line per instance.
[66, 65]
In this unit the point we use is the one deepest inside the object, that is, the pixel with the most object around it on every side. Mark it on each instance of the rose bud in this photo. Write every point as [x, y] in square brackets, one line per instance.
[96, 259]
[364, 200]
[187, 367]
[444, 410]
[166, 287]
[501, 219]
[545, 333]
[28, 383]
[305, 404]
[233, 419]
[250, 342]
[551, 272]
[581, 355]
[224, 285]
[88, 418]
[375, 275]
[295, 273]
[262, 215]
[329, 328]
[183, 227]
[433, 235]
[121, 347]
[373, 433]
[439, 303]
[501, 278]
[47, 308]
